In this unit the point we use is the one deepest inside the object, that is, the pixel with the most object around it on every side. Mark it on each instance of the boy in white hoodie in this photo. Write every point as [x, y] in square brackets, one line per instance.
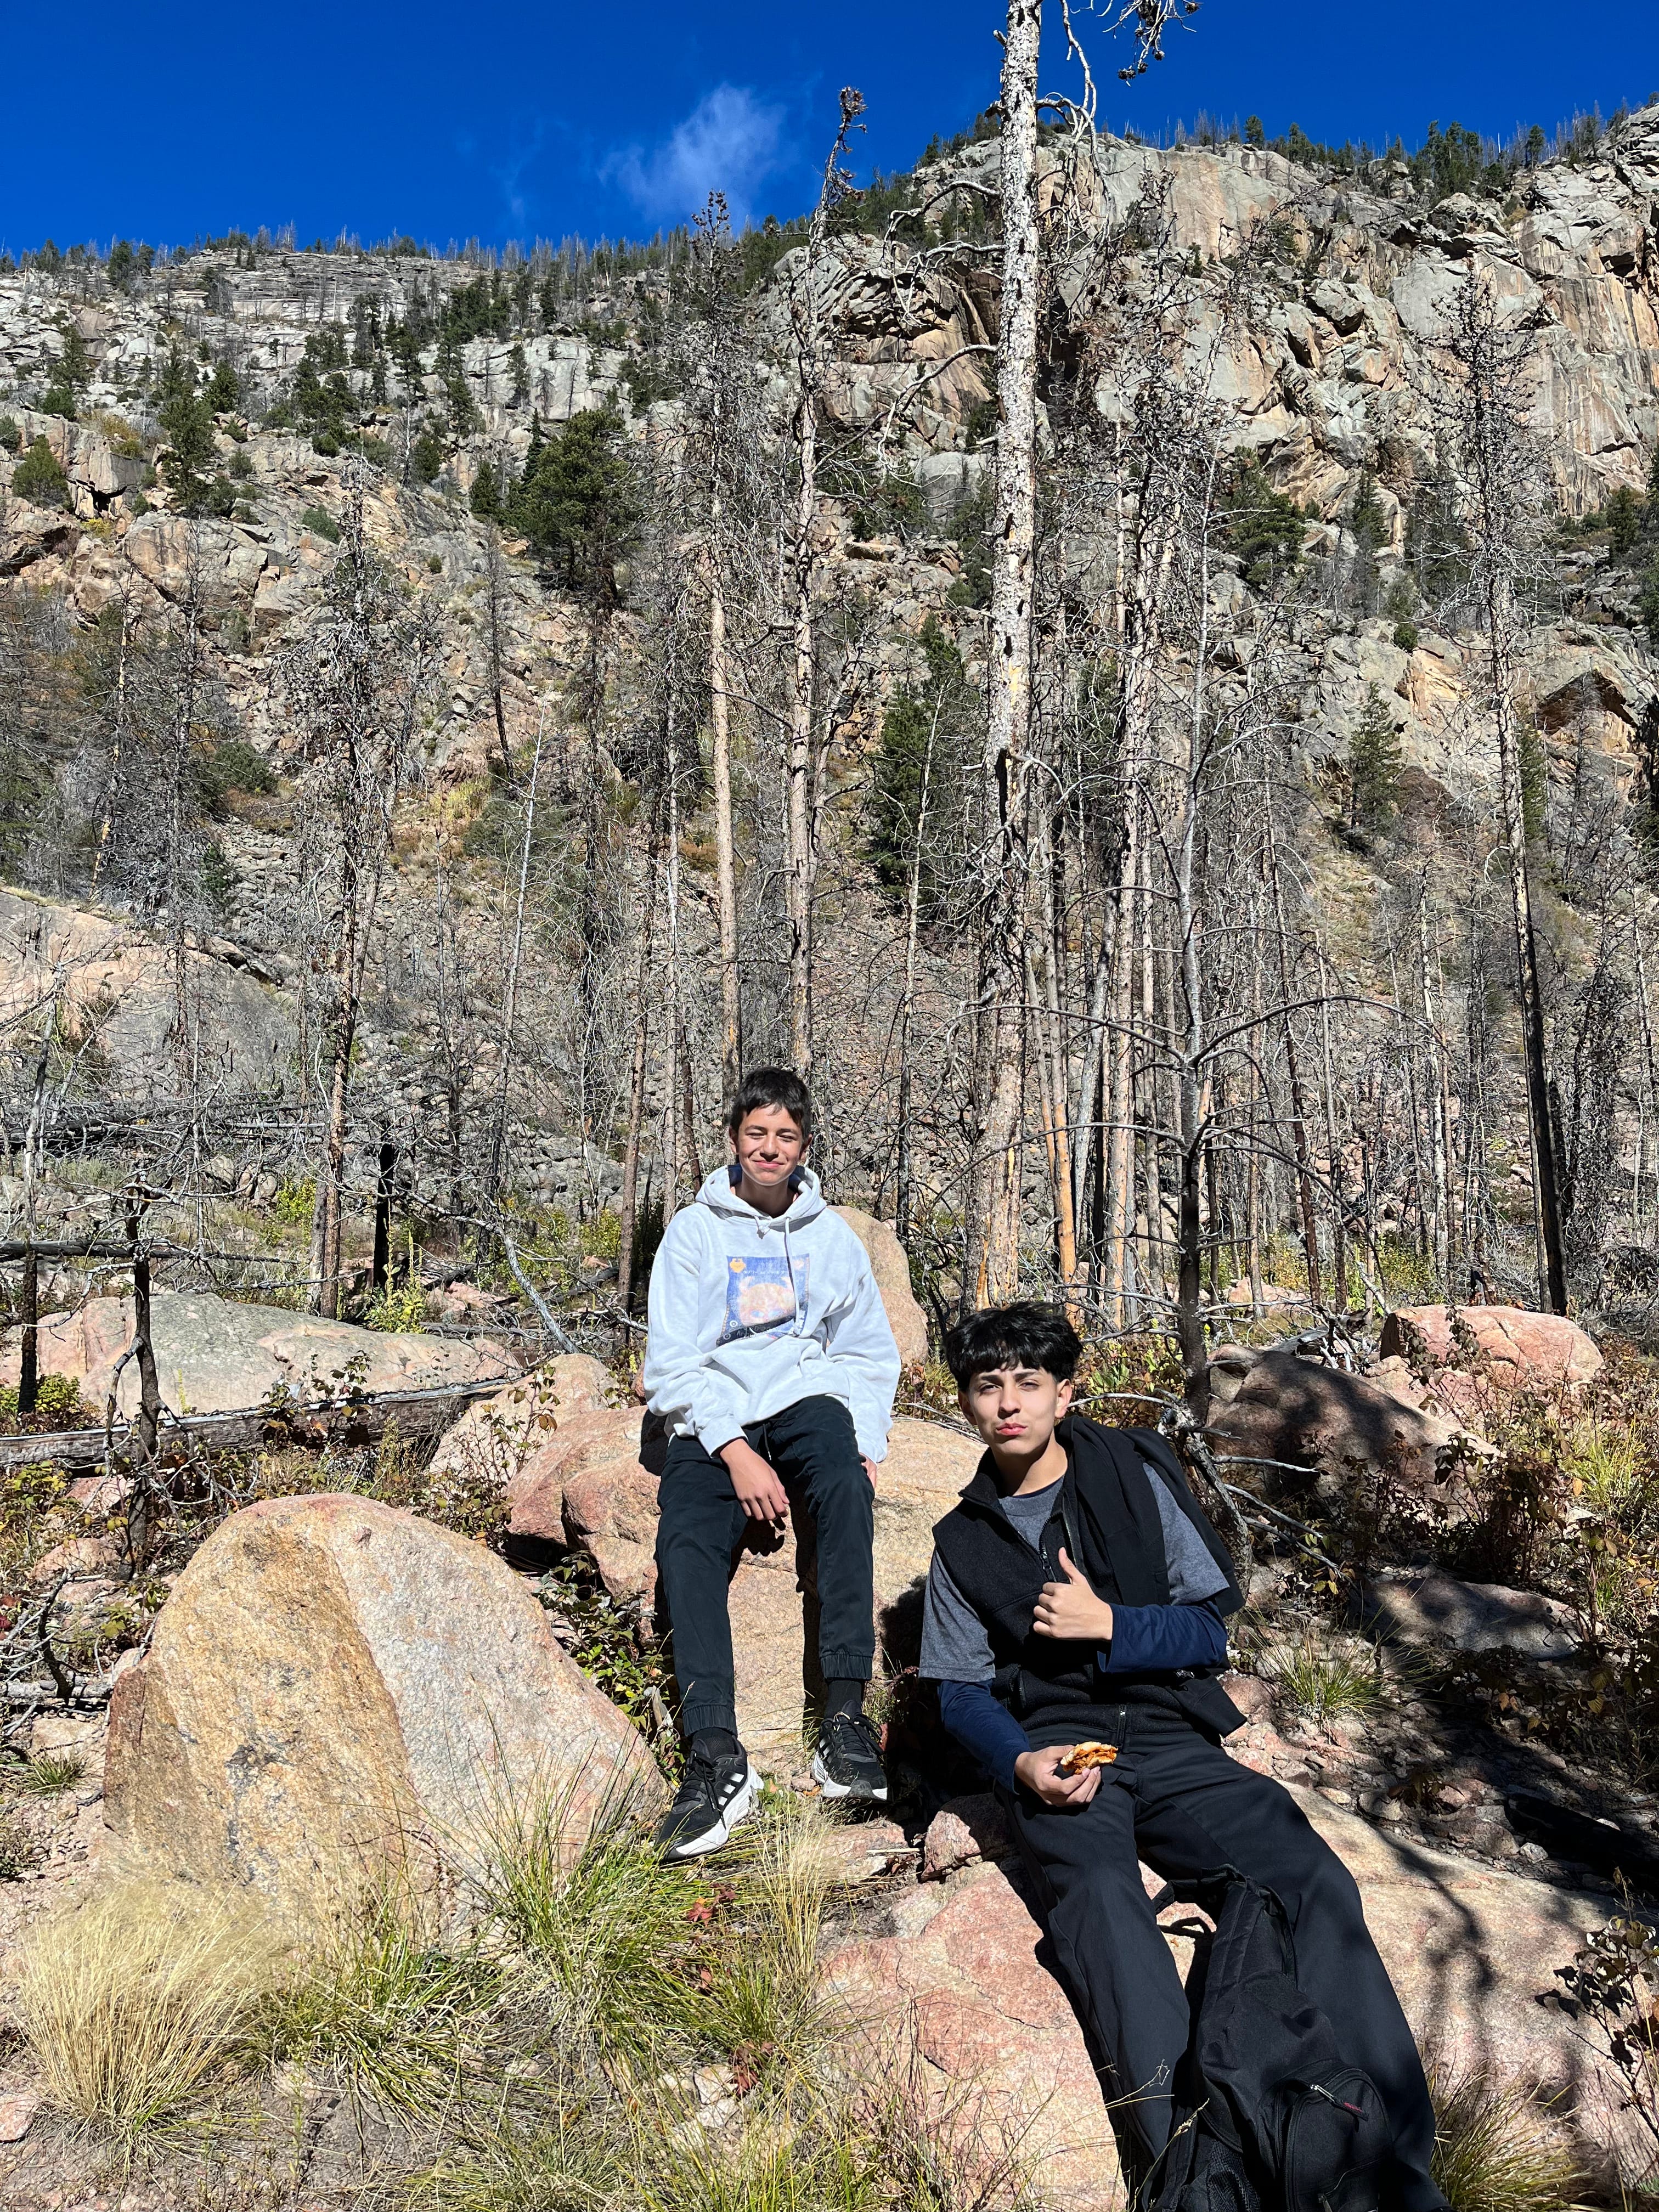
[771, 1361]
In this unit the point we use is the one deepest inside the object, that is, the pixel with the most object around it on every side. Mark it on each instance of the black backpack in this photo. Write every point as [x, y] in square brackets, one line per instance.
[1269, 2118]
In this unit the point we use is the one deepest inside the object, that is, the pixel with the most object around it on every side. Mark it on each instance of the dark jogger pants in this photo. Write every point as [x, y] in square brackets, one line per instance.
[814, 1451]
[1176, 1801]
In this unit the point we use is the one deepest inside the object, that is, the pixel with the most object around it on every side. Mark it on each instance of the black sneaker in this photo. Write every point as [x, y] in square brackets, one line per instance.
[718, 1790]
[847, 1760]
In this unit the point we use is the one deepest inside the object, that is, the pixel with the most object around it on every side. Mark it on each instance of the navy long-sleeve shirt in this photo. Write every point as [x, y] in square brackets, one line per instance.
[1146, 1639]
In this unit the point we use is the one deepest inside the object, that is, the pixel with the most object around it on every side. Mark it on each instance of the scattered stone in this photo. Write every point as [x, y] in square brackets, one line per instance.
[967, 1829]
[335, 1685]
[1436, 1609]
[17, 2113]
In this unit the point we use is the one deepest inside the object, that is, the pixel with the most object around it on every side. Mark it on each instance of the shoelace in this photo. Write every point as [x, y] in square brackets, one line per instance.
[860, 1727]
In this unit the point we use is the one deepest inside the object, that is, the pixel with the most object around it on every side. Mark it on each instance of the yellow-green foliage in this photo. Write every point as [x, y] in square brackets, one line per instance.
[295, 1201]
[27, 1493]
[398, 1307]
[56, 1403]
[1407, 1273]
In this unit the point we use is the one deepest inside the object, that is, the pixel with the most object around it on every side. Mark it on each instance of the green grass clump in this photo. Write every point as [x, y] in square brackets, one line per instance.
[605, 1931]
[1326, 1679]
[401, 2021]
[1495, 2149]
[49, 1773]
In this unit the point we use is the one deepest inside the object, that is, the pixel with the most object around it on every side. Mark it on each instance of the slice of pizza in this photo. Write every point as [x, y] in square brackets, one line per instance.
[1082, 1756]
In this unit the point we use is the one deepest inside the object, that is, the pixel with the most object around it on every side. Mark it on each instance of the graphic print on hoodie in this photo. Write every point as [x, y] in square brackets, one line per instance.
[752, 1312]
[763, 1296]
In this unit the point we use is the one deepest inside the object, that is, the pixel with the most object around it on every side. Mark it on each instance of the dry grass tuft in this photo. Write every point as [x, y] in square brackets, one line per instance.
[146, 1999]
[1495, 2147]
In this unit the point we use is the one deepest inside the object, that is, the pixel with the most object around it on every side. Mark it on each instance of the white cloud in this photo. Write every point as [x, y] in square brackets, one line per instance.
[728, 144]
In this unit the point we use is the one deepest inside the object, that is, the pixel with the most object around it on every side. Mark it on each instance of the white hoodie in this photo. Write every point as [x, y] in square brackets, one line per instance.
[750, 1313]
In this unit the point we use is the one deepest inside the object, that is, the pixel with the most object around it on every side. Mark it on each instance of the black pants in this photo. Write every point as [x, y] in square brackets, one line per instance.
[814, 1451]
[1175, 1799]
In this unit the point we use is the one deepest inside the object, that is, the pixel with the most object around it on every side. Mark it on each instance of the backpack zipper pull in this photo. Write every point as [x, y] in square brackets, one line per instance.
[1341, 2103]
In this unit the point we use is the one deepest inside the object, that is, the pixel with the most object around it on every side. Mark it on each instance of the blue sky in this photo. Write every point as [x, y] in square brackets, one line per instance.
[503, 120]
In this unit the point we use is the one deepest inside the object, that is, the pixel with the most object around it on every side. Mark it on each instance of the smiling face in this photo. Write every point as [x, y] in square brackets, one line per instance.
[1015, 1409]
[768, 1146]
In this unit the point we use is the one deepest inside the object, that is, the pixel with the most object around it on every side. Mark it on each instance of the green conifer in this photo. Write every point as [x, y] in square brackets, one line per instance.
[1374, 764]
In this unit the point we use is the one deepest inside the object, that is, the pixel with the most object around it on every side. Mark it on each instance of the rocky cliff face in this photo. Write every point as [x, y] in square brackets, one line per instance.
[1335, 371]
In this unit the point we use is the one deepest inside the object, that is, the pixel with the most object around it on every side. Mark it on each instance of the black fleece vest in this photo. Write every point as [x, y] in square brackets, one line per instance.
[1111, 1526]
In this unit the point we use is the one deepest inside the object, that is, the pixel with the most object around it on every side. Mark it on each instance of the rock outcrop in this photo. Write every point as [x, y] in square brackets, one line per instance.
[334, 1688]
[118, 997]
[213, 1355]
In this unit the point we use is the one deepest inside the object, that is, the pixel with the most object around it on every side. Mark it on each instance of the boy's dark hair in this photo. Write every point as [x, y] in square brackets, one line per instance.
[771, 1086]
[1023, 1335]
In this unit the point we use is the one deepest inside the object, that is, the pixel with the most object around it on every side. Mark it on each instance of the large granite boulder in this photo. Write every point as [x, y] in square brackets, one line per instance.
[1299, 1414]
[334, 1688]
[1436, 1607]
[1515, 1346]
[891, 1270]
[213, 1355]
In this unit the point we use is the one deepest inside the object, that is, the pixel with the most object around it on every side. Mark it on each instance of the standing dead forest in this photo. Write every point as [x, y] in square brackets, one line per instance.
[1121, 663]
[1134, 667]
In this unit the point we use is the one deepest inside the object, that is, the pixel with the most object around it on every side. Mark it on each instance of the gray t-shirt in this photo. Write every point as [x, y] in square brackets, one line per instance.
[955, 1647]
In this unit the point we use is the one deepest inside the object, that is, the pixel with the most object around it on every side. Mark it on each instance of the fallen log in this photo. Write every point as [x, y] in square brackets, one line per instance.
[327, 1421]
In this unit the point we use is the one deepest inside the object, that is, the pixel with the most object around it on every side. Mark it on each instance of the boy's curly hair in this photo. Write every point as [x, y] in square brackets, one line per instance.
[1025, 1334]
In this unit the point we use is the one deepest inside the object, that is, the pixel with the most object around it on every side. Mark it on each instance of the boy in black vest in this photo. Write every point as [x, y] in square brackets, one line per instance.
[1077, 1595]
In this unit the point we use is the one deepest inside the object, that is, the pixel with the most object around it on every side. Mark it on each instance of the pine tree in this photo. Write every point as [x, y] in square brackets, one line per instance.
[38, 477]
[186, 420]
[1374, 765]
[575, 502]
[485, 498]
[1366, 519]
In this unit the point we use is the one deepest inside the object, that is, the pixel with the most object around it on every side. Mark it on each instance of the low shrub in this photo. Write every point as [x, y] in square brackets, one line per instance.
[38, 479]
[57, 1405]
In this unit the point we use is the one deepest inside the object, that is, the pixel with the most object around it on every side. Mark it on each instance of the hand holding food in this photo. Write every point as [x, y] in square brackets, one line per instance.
[1082, 1756]
[1045, 1775]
